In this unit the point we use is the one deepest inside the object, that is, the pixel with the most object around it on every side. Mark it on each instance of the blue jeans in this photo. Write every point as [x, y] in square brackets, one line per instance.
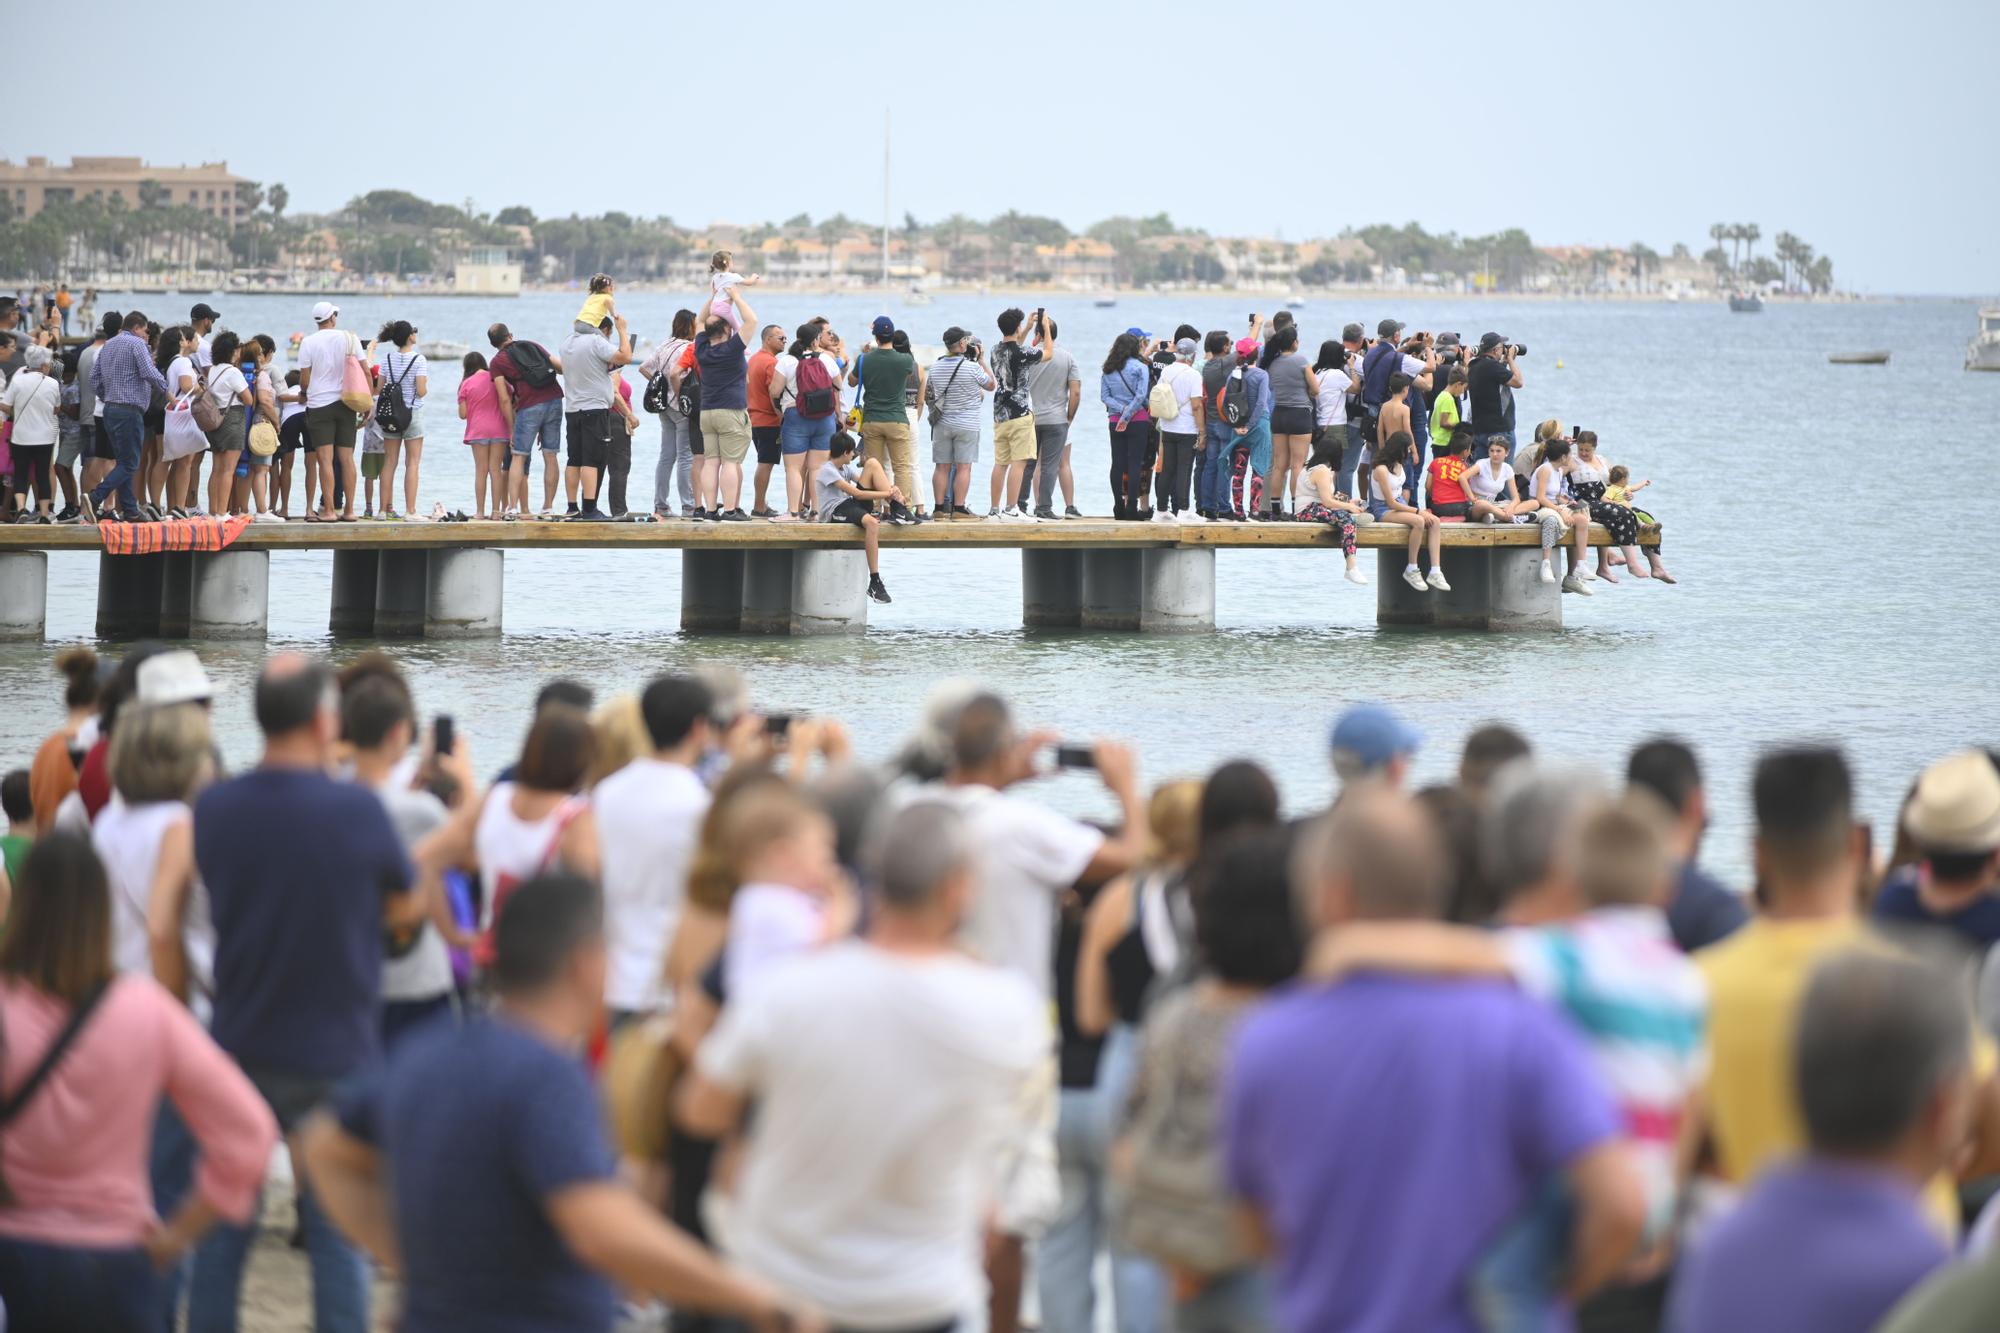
[544, 420]
[1350, 459]
[172, 1171]
[676, 464]
[1517, 1286]
[126, 428]
[1067, 1259]
[340, 1272]
[52, 1288]
[1211, 482]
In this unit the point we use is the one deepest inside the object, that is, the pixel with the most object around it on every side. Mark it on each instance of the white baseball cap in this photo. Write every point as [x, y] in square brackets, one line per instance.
[324, 311]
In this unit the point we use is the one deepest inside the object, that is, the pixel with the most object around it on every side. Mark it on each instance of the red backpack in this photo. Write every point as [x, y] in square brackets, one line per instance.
[812, 387]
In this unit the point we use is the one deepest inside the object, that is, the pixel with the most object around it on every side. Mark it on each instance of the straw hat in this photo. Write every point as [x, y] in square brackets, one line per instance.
[1956, 807]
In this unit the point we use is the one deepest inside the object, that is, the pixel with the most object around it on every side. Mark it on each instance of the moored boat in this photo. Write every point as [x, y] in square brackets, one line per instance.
[1858, 358]
[1745, 303]
[1983, 352]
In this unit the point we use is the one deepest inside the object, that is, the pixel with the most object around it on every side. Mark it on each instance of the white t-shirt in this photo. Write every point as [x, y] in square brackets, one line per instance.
[1185, 381]
[202, 357]
[180, 368]
[1028, 856]
[406, 368]
[1395, 484]
[649, 815]
[1479, 479]
[127, 839]
[423, 972]
[1549, 477]
[888, 1088]
[769, 924]
[786, 368]
[32, 399]
[1334, 385]
[224, 383]
[324, 354]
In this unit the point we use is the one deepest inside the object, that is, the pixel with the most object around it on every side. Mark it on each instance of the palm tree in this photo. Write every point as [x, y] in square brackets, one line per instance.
[1718, 232]
[1786, 246]
[1750, 234]
[1642, 255]
[1802, 261]
[278, 196]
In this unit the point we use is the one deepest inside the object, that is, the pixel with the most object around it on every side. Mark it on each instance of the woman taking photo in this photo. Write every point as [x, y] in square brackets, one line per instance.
[403, 367]
[89, 1053]
[1556, 508]
[1388, 504]
[1294, 391]
[1588, 481]
[1122, 388]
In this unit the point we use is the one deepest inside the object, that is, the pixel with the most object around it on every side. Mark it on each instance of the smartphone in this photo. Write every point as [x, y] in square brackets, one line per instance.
[444, 734]
[777, 724]
[1075, 756]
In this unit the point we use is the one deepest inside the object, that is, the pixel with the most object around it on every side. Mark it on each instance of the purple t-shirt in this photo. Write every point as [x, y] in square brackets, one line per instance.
[1815, 1247]
[1390, 1128]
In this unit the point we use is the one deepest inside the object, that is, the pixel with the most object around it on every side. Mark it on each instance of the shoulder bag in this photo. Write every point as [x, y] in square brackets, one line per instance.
[17, 1102]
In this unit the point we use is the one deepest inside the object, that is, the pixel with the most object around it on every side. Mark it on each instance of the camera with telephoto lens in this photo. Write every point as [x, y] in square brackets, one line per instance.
[1520, 350]
[972, 348]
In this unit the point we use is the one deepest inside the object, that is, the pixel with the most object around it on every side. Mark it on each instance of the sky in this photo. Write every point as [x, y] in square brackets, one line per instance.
[1867, 130]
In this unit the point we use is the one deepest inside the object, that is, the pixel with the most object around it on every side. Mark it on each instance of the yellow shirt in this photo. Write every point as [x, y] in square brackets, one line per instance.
[1616, 495]
[1756, 980]
[595, 307]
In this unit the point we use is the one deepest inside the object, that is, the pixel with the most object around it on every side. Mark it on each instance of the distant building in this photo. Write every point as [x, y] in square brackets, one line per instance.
[488, 270]
[209, 188]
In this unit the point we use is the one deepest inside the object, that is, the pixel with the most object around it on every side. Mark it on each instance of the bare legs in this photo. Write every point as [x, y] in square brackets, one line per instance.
[413, 464]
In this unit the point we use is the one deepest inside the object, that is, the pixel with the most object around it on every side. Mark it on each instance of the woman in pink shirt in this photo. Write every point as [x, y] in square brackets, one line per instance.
[486, 432]
[80, 1244]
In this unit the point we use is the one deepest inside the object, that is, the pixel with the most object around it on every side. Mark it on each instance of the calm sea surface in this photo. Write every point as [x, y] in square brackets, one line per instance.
[1832, 528]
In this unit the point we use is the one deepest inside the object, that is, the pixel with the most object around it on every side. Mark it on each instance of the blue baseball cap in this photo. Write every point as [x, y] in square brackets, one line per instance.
[1138, 332]
[883, 326]
[1374, 735]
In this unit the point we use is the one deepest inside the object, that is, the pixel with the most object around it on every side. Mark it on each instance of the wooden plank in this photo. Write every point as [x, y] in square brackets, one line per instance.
[682, 535]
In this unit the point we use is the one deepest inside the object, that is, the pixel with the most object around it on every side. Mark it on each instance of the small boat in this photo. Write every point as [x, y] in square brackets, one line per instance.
[1983, 352]
[1858, 358]
[443, 349]
[1745, 303]
[916, 296]
[1295, 302]
[1105, 302]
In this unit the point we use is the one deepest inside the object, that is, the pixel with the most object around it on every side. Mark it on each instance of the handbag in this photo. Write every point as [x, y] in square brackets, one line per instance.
[355, 393]
[184, 435]
[263, 438]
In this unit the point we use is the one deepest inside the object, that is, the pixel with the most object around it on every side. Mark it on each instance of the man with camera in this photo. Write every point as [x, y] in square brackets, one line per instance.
[1490, 381]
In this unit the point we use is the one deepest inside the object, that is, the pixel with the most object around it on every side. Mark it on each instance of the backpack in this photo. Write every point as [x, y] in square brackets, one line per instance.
[812, 386]
[1163, 402]
[688, 401]
[659, 395]
[1234, 401]
[392, 408]
[1383, 360]
[531, 362]
[206, 414]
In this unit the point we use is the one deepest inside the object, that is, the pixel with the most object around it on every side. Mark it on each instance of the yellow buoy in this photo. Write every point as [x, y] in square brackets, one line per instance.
[1559, 363]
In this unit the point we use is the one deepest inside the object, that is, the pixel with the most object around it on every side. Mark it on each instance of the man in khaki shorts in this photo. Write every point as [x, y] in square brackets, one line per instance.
[725, 418]
[1013, 408]
[882, 373]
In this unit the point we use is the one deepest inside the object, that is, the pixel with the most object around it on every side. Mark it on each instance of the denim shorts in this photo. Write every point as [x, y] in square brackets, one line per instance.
[544, 420]
[1376, 509]
[803, 435]
[415, 430]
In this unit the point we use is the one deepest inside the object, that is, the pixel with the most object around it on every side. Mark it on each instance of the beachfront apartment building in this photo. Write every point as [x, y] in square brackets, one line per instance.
[211, 188]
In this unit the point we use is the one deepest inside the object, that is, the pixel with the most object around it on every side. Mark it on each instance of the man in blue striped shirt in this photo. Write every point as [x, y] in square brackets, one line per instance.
[124, 377]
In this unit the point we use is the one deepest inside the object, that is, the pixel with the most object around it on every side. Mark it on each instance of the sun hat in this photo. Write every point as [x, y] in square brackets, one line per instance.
[173, 678]
[1956, 806]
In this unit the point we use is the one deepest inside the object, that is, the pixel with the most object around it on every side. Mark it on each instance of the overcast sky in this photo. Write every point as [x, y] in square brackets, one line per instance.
[1867, 130]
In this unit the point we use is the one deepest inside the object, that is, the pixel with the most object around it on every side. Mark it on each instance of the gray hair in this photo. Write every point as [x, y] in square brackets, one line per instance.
[35, 358]
[1878, 1035]
[920, 848]
[1532, 811]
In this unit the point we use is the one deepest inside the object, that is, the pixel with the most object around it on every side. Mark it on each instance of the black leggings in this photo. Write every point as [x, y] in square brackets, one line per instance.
[31, 464]
[1131, 457]
[1174, 477]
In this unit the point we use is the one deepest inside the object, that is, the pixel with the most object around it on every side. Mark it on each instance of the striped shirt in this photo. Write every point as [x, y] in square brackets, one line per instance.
[956, 385]
[1642, 1005]
[124, 373]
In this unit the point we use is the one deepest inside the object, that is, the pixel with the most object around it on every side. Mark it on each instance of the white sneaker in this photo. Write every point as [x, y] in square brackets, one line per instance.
[1436, 580]
[1589, 574]
[1577, 585]
[1193, 519]
[1492, 517]
[1013, 515]
[1415, 580]
[1355, 575]
[1517, 518]
[267, 517]
[1548, 573]
[1165, 516]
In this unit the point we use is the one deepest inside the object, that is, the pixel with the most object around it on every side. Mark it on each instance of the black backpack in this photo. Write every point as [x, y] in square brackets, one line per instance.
[688, 401]
[659, 394]
[1236, 399]
[531, 362]
[392, 409]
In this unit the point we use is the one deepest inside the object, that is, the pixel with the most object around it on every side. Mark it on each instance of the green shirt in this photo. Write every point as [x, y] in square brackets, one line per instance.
[13, 851]
[884, 373]
[1444, 419]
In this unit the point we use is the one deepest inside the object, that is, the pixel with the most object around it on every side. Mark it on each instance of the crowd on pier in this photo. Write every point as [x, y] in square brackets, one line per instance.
[1415, 429]
[685, 1013]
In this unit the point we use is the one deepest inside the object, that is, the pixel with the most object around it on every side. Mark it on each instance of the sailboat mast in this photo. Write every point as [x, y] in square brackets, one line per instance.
[885, 199]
